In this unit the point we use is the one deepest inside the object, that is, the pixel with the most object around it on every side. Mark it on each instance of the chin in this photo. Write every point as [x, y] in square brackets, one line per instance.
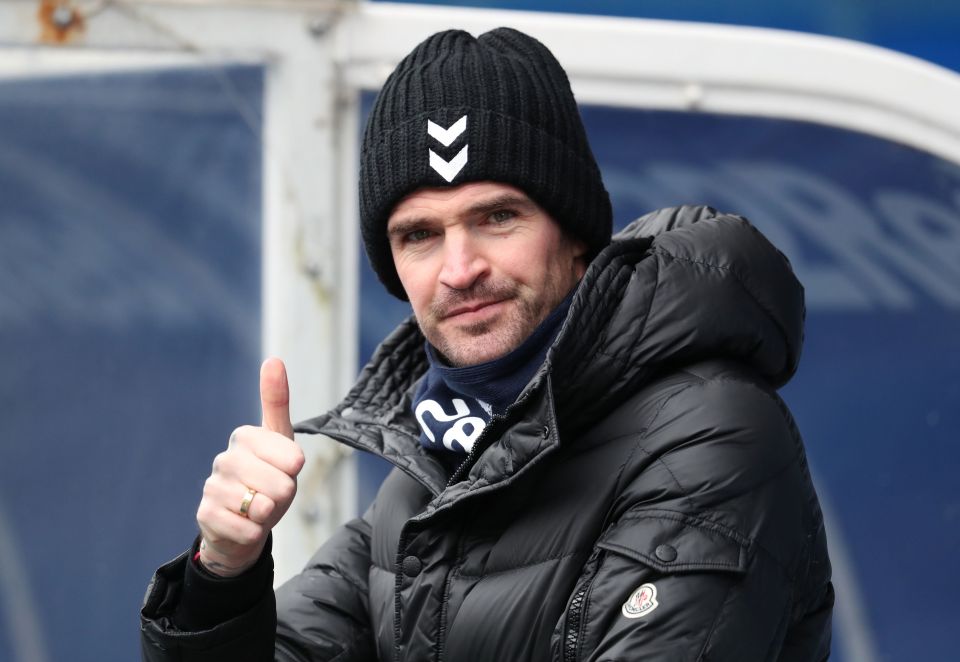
[474, 350]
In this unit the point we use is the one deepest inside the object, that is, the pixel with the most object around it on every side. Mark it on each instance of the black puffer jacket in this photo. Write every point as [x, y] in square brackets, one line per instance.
[647, 497]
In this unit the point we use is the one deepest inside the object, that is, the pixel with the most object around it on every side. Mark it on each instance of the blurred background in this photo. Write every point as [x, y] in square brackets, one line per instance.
[177, 201]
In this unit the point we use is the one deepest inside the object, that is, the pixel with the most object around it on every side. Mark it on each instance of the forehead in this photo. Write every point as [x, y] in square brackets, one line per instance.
[454, 200]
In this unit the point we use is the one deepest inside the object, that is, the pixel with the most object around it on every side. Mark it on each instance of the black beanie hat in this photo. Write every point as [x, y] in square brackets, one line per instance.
[493, 108]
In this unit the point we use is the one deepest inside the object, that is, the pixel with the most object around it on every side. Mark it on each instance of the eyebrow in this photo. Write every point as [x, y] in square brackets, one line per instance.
[502, 200]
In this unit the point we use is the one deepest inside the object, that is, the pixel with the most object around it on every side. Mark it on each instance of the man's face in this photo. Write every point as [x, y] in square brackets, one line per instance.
[482, 265]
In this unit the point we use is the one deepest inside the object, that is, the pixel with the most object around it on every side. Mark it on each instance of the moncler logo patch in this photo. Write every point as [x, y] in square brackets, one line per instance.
[448, 169]
[641, 602]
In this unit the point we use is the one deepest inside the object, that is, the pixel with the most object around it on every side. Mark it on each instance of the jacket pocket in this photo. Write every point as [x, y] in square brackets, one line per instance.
[666, 543]
[673, 542]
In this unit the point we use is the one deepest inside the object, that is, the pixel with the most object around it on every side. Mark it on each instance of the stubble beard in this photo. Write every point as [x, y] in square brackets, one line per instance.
[487, 340]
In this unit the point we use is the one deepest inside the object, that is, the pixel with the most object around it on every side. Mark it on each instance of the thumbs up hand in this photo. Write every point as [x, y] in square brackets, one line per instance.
[253, 482]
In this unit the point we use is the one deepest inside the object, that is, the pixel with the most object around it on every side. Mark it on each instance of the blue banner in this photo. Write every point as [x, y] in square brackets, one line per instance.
[129, 338]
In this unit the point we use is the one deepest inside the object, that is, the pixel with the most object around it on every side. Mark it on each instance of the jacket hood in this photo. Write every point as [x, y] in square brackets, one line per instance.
[675, 287]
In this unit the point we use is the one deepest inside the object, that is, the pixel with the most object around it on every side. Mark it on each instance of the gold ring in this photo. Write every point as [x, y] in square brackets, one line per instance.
[245, 504]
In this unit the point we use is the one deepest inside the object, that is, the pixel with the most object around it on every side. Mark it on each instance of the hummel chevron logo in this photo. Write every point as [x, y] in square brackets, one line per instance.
[447, 136]
[449, 169]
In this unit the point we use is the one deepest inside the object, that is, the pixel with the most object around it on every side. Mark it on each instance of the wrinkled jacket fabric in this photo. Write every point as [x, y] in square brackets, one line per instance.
[650, 450]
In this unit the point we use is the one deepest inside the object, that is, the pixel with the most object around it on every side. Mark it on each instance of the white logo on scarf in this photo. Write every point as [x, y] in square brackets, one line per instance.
[448, 169]
[457, 432]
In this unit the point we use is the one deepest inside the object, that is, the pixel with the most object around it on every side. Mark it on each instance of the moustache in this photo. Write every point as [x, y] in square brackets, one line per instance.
[450, 300]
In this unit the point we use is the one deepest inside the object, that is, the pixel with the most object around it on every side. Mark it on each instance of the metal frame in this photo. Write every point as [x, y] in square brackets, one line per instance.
[695, 67]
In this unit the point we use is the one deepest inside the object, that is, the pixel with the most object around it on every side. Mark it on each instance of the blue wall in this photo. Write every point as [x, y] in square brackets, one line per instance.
[130, 271]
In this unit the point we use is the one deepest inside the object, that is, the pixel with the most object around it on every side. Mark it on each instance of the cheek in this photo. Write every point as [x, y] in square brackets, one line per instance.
[564, 269]
[419, 289]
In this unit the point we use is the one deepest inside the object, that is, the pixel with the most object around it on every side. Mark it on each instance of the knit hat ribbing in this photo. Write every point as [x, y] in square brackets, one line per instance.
[460, 109]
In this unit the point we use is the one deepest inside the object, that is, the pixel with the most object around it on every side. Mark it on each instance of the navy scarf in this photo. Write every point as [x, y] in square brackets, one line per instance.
[453, 405]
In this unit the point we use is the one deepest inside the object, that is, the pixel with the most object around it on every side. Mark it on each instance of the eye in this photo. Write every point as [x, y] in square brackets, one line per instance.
[410, 237]
[416, 236]
[501, 216]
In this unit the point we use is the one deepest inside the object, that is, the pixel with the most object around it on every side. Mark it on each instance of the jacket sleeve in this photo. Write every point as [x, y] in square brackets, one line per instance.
[318, 615]
[323, 613]
[716, 550]
[247, 636]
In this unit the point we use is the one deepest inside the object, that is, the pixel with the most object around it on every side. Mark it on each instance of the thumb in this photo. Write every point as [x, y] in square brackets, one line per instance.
[275, 397]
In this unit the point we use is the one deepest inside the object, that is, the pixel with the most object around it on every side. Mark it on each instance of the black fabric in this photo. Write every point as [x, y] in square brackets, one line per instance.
[208, 599]
[247, 637]
[650, 452]
[522, 128]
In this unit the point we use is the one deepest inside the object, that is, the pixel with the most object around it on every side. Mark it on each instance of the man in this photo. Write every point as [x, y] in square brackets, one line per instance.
[591, 459]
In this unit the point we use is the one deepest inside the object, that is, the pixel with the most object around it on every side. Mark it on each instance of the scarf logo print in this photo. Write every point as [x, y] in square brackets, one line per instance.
[455, 433]
[448, 169]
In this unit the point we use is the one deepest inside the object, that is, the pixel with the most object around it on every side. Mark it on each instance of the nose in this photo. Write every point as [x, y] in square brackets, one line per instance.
[463, 261]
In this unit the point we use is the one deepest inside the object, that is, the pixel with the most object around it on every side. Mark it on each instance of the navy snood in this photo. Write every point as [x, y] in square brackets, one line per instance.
[453, 405]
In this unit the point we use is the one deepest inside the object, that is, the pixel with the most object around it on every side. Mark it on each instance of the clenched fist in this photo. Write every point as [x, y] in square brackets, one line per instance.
[259, 461]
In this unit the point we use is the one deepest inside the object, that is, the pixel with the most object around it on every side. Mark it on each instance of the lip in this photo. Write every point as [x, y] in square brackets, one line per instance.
[471, 308]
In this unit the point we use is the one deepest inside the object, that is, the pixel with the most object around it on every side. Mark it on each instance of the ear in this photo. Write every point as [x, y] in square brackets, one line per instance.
[580, 250]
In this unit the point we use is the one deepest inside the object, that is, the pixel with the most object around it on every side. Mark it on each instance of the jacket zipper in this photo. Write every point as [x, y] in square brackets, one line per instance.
[572, 636]
[482, 441]
[576, 613]
[478, 448]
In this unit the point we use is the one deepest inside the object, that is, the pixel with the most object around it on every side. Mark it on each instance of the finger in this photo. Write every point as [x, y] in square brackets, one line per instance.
[222, 526]
[263, 444]
[230, 496]
[246, 470]
[243, 468]
[261, 509]
[275, 397]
